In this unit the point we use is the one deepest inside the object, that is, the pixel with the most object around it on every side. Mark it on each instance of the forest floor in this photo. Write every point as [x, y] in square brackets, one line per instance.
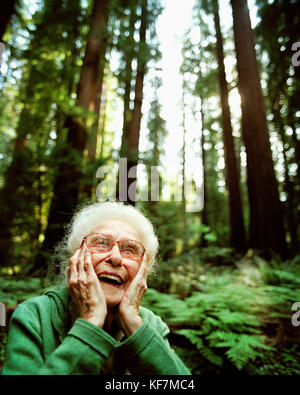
[226, 315]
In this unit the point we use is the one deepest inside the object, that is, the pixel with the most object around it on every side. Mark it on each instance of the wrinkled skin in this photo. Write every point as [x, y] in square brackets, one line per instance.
[99, 302]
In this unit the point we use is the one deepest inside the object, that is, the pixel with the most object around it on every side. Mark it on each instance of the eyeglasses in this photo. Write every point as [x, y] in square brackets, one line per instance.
[129, 249]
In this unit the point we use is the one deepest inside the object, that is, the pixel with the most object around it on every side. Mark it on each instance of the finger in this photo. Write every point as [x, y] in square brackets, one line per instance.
[137, 288]
[143, 274]
[88, 266]
[80, 264]
[90, 272]
[73, 274]
[143, 271]
[68, 272]
[140, 275]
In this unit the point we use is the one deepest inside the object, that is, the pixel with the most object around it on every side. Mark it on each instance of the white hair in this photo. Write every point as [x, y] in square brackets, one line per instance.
[90, 216]
[86, 219]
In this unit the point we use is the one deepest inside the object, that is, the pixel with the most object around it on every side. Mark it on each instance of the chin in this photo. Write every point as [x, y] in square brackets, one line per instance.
[113, 295]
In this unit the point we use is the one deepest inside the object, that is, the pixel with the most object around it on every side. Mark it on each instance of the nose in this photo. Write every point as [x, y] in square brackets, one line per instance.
[115, 257]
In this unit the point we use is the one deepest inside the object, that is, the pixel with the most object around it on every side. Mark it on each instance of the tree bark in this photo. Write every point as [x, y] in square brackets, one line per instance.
[266, 217]
[237, 228]
[129, 55]
[183, 196]
[91, 162]
[17, 191]
[291, 213]
[132, 142]
[127, 113]
[20, 190]
[204, 216]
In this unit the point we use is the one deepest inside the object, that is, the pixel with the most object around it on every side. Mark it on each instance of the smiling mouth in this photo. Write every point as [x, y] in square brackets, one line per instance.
[110, 279]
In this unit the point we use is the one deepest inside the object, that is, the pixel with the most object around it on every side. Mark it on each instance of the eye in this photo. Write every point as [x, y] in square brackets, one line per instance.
[103, 243]
[130, 247]
[100, 242]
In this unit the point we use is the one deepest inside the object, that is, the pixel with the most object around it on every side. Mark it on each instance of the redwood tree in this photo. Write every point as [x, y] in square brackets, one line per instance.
[40, 73]
[266, 218]
[131, 143]
[237, 229]
[69, 172]
[126, 79]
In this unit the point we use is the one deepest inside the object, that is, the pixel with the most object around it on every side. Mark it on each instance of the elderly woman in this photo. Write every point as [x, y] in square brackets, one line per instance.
[95, 324]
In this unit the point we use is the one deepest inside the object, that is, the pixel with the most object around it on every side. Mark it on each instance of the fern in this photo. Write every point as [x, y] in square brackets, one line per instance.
[195, 338]
[227, 318]
[211, 356]
[245, 348]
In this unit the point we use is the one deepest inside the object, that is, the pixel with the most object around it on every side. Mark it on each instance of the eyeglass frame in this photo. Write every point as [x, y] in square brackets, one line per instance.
[116, 242]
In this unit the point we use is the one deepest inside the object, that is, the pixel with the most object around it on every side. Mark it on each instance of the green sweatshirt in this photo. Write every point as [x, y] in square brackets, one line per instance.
[42, 340]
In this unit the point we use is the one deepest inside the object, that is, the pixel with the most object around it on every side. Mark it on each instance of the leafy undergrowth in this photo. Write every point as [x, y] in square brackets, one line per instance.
[15, 289]
[233, 319]
[3, 342]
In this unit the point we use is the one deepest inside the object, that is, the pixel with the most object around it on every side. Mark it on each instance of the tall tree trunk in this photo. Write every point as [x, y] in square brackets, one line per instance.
[15, 194]
[67, 183]
[19, 190]
[237, 228]
[291, 12]
[266, 216]
[127, 113]
[92, 141]
[204, 216]
[288, 185]
[10, 193]
[129, 55]
[183, 203]
[132, 142]
[87, 187]
[103, 123]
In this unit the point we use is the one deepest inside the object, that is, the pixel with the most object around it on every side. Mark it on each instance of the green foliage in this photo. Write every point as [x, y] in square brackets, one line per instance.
[235, 322]
[15, 289]
[238, 322]
[39, 83]
[227, 314]
[3, 343]
[282, 93]
[235, 333]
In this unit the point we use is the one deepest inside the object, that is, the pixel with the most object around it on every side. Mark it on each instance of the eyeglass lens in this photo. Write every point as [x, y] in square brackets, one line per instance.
[128, 248]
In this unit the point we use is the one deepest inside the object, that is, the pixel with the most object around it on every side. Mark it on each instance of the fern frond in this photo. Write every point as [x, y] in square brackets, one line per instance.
[211, 356]
[192, 335]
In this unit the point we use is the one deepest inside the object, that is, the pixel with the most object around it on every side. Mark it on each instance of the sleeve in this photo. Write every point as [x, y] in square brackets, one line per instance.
[148, 351]
[84, 350]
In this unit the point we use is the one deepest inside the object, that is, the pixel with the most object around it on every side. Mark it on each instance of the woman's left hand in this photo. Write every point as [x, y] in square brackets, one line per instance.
[128, 314]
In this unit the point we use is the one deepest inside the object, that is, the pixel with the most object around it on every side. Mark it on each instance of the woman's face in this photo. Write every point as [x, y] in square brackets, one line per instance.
[113, 270]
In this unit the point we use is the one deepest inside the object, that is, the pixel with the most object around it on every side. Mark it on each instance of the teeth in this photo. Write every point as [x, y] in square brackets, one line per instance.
[112, 277]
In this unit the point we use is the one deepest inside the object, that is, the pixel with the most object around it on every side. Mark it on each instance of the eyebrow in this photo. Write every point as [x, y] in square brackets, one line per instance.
[114, 237]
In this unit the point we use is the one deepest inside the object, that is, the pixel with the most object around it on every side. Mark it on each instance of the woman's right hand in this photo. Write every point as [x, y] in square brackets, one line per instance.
[85, 288]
